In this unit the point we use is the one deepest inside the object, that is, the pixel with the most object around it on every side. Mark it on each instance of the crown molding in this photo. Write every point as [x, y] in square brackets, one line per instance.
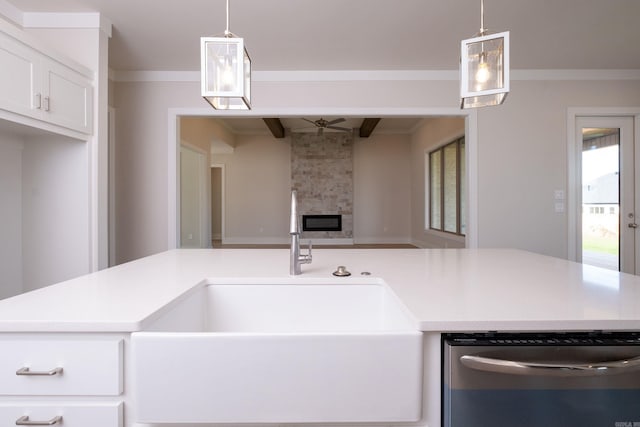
[375, 75]
[10, 12]
[67, 20]
[575, 75]
[354, 75]
[55, 20]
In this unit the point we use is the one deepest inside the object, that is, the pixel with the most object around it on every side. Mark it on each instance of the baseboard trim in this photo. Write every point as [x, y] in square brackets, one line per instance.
[255, 241]
[383, 241]
[325, 242]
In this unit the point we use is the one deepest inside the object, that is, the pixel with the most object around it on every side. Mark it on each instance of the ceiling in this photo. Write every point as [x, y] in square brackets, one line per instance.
[394, 125]
[365, 34]
[290, 35]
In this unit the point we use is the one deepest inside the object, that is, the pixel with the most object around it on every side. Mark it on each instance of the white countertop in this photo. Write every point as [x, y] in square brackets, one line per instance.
[445, 290]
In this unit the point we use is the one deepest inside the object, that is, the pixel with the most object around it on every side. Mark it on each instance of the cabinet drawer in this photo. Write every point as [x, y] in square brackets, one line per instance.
[72, 415]
[61, 367]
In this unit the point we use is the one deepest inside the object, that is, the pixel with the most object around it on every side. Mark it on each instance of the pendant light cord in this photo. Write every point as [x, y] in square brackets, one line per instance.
[482, 29]
[227, 33]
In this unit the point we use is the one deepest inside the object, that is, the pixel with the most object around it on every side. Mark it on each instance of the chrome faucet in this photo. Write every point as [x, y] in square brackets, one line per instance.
[295, 258]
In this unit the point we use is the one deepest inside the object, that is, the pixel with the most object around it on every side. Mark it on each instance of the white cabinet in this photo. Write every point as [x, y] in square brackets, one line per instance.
[18, 76]
[65, 97]
[35, 85]
[62, 413]
[38, 370]
[61, 367]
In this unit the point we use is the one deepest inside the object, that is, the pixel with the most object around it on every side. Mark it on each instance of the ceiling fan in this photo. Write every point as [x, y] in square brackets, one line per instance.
[322, 124]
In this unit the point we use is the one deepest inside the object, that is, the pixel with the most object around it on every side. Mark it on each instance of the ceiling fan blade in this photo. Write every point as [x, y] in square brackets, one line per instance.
[310, 121]
[339, 128]
[335, 121]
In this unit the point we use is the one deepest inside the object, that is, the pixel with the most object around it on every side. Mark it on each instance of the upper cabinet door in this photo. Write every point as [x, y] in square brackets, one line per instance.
[20, 90]
[35, 85]
[67, 97]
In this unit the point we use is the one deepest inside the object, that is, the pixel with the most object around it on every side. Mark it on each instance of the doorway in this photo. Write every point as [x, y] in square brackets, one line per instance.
[173, 166]
[606, 228]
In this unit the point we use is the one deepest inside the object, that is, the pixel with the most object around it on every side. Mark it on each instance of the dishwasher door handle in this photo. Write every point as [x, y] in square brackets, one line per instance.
[514, 367]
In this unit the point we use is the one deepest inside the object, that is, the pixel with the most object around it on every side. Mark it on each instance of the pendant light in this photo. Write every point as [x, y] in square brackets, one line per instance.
[484, 67]
[225, 71]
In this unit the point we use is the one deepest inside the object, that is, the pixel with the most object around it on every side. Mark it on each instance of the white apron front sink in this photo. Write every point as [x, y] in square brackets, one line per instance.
[292, 351]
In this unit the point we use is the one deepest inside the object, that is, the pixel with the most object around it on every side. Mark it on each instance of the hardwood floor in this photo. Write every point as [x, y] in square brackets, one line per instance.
[218, 244]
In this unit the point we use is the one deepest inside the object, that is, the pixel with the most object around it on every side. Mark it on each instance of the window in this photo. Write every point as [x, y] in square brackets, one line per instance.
[447, 188]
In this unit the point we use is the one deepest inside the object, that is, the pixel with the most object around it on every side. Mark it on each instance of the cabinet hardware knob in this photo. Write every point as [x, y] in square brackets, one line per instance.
[25, 421]
[26, 371]
[45, 103]
[38, 101]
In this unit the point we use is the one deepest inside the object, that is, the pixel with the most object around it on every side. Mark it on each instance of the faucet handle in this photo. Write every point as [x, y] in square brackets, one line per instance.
[306, 259]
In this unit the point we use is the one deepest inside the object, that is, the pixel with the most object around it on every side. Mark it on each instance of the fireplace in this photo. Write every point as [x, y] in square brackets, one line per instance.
[321, 222]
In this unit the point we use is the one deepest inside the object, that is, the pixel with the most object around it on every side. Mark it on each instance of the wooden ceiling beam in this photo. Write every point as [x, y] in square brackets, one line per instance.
[275, 126]
[367, 127]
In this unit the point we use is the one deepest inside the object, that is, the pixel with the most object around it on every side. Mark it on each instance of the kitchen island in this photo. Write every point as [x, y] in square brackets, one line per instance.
[443, 291]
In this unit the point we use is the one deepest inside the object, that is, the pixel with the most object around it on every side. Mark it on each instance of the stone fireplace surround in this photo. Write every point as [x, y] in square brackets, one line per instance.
[322, 174]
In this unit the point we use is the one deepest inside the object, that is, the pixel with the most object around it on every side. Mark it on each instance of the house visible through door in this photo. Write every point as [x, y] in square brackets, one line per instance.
[608, 223]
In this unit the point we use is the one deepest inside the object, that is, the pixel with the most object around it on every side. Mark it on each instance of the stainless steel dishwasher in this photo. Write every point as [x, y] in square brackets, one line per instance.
[541, 380]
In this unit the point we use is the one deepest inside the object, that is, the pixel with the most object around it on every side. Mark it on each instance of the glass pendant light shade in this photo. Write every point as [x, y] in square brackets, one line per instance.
[484, 70]
[226, 73]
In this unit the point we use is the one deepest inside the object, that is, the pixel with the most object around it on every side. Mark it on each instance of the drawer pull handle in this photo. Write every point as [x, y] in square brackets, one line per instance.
[27, 371]
[25, 421]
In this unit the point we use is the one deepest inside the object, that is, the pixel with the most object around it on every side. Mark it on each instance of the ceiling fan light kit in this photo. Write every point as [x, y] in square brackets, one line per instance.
[321, 125]
[484, 68]
[225, 68]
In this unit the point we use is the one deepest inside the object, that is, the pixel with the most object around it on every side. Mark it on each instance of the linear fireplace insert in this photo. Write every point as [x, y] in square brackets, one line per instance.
[321, 222]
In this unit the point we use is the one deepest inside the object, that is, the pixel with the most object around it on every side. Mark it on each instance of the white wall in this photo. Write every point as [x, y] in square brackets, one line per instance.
[10, 215]
[258, 186]
[258, 181]
[522, 148]
[382, 189]
[44, 214]
[55, 211]
[432, 133]
[141, 164]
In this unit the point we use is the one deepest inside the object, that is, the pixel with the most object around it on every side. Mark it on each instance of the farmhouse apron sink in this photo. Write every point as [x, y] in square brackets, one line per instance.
[280, 352]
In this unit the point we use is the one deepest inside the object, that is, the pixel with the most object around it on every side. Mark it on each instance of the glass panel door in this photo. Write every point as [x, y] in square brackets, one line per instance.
[601, 197]
[608, 198]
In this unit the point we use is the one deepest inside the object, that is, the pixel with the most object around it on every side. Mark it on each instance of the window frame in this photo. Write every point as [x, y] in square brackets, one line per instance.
[460, 144]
